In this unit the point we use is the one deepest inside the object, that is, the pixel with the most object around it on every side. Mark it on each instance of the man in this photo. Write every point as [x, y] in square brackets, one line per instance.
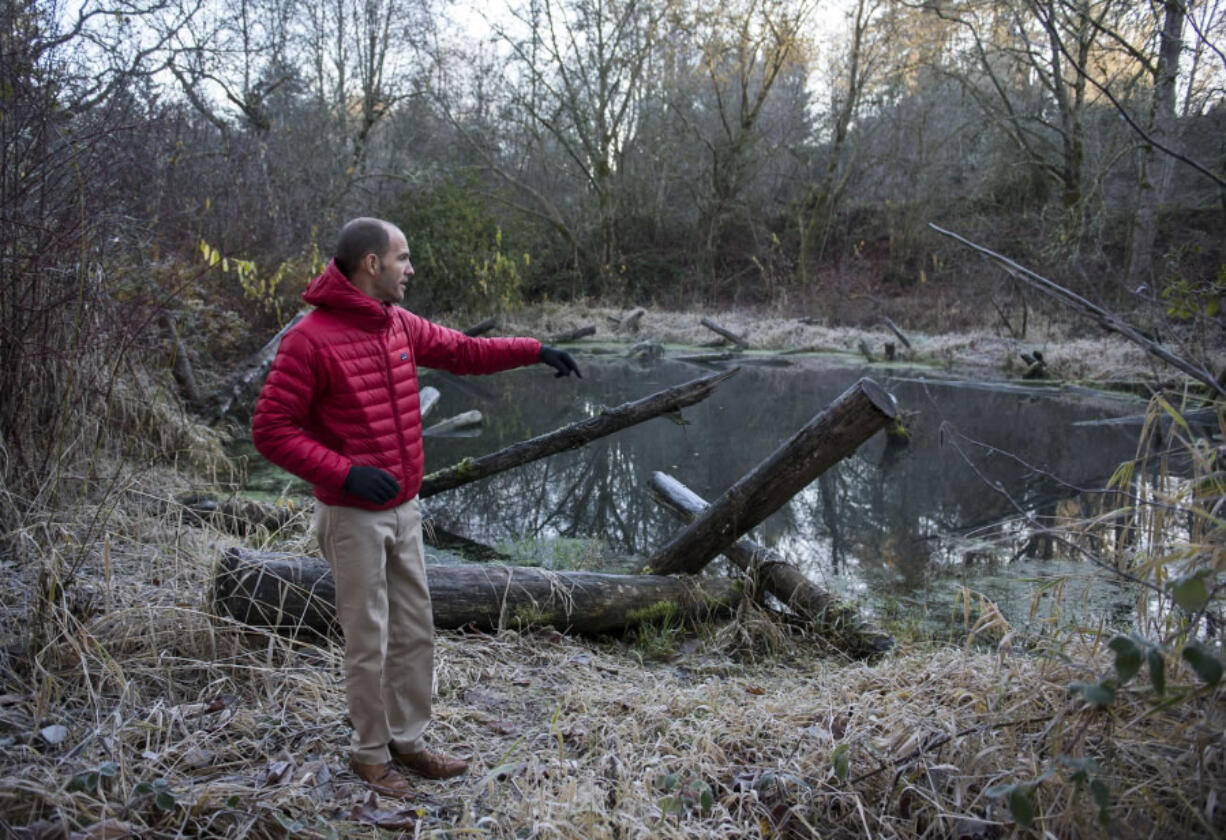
[340, 409]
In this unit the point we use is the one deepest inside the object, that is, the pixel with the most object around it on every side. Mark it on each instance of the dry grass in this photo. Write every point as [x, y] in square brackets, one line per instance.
[194, 727]
[1073, 350]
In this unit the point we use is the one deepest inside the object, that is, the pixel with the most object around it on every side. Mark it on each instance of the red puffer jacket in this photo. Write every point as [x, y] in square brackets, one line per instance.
[342, 390]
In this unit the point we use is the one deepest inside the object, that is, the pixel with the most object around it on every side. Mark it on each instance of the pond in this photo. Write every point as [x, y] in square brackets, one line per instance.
[900, 527]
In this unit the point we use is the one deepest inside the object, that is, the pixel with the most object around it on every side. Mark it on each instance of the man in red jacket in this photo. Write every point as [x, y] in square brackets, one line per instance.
[340, 409]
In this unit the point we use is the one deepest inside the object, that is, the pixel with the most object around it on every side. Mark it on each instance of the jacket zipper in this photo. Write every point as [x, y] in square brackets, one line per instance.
[391, 393]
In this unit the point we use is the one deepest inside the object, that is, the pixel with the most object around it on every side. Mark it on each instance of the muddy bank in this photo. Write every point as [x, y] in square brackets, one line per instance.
[1073, 350]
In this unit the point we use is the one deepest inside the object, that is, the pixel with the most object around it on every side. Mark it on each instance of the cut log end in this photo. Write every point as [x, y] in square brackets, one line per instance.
[879, 397]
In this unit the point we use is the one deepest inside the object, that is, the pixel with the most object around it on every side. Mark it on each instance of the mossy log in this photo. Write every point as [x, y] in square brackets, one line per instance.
[295, 595]
[573, 436]
[833, 619]
[859, 413]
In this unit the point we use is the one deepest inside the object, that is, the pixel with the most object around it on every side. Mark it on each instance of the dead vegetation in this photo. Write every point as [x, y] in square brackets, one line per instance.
[132, 711]
[1072, 351]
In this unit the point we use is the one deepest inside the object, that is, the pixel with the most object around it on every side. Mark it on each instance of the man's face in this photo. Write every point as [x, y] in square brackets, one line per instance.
[394, 269]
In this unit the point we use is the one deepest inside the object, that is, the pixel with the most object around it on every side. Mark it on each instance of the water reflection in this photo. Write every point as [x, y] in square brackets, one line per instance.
[975, 456]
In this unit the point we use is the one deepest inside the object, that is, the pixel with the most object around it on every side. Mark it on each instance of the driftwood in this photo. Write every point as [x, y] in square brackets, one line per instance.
[832, 435]
[865, 351]
[252, 371]
[834, 620]
[1108, 320]
[483, 327]
[728, 334]
[573, 436]
[573, 335]
[463, 421]
[295, 594]
[631, 322]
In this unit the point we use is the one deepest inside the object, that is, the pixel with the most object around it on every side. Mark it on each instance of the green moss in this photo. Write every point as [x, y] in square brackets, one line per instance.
[661, 612]
[529, 615]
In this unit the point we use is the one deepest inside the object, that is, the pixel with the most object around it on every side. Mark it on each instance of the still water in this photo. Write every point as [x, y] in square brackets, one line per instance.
[899, 527]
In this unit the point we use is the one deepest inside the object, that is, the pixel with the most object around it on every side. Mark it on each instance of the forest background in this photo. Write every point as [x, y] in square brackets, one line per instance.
[184, 165]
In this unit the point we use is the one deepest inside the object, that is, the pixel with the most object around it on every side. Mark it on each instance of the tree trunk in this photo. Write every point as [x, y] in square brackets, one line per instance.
[572, 436]
[296, 595]
[834, 620]
[1156, 166]
[832, 435]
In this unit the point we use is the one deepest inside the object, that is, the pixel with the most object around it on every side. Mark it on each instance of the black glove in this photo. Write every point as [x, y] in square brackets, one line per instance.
[372, 484]
[560, 360]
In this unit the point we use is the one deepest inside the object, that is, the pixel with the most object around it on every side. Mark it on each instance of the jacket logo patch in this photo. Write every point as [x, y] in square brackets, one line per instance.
[404, 356]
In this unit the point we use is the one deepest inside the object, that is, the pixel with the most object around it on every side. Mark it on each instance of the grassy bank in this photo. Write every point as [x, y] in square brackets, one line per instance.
[1073, 348]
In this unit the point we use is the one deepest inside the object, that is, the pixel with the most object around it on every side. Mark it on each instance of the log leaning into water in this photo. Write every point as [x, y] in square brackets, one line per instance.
[572, 436]
[293, 594]
[726, 333]
[836, 621]
[832, 435]
[243, 380]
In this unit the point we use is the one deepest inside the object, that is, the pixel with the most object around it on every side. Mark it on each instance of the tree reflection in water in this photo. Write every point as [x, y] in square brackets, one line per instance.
[976, 454]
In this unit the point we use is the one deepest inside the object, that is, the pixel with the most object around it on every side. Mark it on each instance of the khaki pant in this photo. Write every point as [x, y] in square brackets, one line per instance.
[383, 605]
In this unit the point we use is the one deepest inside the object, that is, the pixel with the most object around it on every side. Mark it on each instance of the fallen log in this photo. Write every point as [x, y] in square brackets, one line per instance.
[573, 436]
[464, 421]
[253, 370]
[483, 327]
[573, 335]
[832, 435]
[295, 595]
[834, 620]
[181, 363]
[894, 329]
[631, 322]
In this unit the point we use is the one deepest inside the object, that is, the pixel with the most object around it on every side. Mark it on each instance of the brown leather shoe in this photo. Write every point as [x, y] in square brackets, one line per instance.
[431, 765]
[382, 778]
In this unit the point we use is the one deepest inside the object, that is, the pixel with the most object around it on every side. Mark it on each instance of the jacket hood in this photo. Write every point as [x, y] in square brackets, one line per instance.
[332, 290]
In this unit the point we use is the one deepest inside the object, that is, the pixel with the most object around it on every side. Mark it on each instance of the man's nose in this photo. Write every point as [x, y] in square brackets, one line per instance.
[408, 270]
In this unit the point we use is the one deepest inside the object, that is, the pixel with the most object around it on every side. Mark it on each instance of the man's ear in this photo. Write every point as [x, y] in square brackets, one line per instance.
[370, 262]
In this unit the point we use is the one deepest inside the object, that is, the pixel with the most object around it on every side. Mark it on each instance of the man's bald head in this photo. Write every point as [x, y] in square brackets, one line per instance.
[359, 237]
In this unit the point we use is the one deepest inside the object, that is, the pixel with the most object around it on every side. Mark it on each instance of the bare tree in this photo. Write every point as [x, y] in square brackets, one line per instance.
[582, 70]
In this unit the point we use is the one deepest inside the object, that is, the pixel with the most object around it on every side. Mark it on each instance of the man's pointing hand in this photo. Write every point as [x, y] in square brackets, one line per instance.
[560, 361]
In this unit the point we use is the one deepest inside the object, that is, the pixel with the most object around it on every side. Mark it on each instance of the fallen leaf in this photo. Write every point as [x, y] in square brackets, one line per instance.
[54, 734]
[198, 758]
[755, 689]
[279, 772]
[223, 701]
[368, 811]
